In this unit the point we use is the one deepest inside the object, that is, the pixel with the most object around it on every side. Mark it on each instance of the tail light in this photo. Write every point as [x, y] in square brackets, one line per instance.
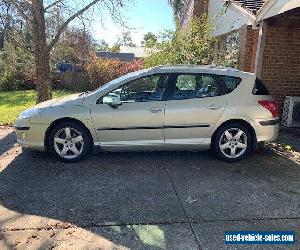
[271, 106]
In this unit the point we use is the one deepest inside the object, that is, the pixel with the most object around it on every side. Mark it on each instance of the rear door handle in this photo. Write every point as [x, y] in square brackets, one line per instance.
[214, 107]
[155, 110]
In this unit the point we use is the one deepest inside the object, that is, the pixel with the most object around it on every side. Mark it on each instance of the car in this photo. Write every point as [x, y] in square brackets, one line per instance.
[185, 107]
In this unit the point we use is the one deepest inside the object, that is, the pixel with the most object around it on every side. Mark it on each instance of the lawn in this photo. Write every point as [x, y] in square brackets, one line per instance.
[14, 102]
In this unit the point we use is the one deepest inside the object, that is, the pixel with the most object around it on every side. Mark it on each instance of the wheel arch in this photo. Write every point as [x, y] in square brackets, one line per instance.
[58, 121]
[242, 122]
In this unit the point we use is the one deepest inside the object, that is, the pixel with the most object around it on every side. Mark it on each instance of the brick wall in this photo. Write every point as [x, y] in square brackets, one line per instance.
[247, 48]
[281, 62]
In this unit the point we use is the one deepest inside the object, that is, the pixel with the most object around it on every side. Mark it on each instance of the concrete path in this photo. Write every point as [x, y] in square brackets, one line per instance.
[162, 200]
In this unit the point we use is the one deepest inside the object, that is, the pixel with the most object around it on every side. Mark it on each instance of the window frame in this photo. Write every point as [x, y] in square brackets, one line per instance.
[173, 82]
[100, 100]
[262, 88]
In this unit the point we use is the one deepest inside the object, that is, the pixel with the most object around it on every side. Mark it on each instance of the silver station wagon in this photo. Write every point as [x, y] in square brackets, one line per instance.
[161, 108]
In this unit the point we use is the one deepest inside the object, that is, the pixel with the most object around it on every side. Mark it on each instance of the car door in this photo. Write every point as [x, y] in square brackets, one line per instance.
[194, 106]
[138, 117]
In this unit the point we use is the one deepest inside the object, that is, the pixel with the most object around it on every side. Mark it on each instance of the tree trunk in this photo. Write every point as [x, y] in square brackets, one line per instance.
[41, 53]
[43, 84]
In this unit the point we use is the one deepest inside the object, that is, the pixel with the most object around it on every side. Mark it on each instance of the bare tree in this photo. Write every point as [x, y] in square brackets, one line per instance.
[35, 13]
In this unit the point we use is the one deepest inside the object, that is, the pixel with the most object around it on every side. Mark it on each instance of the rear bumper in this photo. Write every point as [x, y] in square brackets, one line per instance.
[269, 122]
[267, 130]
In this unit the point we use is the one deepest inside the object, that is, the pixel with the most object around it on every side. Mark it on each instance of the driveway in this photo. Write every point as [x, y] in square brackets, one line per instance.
[159, 200]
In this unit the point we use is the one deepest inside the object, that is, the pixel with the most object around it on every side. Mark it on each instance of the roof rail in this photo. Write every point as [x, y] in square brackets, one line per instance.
[211, 66]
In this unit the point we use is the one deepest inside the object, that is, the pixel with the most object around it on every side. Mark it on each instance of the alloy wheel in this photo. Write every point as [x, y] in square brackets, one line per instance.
[68, 143]
[233, 143]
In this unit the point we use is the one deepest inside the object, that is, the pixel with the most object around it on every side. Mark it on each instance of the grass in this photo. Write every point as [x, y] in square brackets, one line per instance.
[12, 103]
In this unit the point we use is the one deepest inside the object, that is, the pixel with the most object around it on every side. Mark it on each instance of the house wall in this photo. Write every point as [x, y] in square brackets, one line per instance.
[281, 62]
[248, 46]
[228, 21]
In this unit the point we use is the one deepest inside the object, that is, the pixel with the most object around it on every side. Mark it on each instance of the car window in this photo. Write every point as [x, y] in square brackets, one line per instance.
[260, 88]
[186, 82]
[229, 83]
[145, 89]
[189, 86]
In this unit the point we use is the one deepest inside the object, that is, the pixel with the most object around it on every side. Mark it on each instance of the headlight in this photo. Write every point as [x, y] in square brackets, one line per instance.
[28, 113]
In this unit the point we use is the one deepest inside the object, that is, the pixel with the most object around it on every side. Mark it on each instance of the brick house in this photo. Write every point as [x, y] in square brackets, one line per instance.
[268, 34]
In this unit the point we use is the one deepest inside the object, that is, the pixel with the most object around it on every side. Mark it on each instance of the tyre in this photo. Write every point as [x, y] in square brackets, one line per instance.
[232, 142]
[70, 141]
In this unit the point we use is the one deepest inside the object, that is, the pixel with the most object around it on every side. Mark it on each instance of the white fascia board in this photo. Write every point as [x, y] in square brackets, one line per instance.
[276, 7]
[234, 18]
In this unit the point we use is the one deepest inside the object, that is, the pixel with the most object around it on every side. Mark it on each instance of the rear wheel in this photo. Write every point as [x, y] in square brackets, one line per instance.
[70, 141]
[232, 142]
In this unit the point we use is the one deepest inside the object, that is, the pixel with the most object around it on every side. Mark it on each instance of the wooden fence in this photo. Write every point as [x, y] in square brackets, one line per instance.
[75, 81]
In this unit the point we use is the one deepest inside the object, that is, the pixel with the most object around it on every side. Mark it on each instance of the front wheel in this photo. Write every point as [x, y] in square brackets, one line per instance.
[70, 141]
[232, 142]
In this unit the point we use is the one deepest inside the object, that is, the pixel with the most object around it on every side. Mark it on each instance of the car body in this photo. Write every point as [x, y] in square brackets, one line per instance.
[161, 108]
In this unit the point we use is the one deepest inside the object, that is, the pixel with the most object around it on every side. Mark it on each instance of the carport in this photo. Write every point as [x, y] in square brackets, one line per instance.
[277, 54]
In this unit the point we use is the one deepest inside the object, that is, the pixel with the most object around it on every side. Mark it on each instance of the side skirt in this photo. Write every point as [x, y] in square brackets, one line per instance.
[145, 145]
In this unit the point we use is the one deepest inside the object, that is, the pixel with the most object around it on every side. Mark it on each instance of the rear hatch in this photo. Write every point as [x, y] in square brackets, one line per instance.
[264, 98]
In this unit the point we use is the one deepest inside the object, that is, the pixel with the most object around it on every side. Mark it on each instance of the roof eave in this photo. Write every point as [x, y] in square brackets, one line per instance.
[245, 11]
[263, 10]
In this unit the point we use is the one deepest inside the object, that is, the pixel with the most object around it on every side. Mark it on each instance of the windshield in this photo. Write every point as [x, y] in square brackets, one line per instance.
[119, 79]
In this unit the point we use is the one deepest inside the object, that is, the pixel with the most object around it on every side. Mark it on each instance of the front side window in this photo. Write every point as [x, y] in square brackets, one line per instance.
[189, 86]
[145, 89]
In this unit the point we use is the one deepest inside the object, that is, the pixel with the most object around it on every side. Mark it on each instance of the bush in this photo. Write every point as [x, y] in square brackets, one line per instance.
[191, 45]
[16, 69]
[12, 82]
[101, 71]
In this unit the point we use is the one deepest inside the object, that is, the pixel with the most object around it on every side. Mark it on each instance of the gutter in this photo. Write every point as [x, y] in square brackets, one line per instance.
[263, 11]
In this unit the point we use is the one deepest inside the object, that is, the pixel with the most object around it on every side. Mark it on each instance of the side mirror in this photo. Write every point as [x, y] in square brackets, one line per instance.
[113, 101]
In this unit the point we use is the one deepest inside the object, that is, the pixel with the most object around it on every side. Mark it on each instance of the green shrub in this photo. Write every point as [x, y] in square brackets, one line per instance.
[16, 68]
[193, 44]
[12, 82]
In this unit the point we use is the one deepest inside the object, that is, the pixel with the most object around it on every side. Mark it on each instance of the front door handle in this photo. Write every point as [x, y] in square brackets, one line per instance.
[214, 107]
[155, 110]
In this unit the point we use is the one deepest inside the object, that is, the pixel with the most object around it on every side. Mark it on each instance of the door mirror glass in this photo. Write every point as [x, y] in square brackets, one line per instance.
[112, 100]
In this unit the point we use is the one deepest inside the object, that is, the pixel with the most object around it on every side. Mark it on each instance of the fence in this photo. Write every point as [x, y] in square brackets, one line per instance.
[75, 81]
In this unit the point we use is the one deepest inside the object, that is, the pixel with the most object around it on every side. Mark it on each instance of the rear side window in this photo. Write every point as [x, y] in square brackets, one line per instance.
[188, 86]
[259, 88]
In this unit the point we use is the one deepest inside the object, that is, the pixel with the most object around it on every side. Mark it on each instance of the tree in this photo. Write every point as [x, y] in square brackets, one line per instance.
[35, 13]
[75, 46]
[149, 40]
[178, 8]
[16, 68]
[192, 45]
[11, 25]
[115, 48]
[126, 40]
[102, 45]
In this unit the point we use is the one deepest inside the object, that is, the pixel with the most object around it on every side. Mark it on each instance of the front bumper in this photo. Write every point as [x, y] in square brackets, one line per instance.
[30, 135]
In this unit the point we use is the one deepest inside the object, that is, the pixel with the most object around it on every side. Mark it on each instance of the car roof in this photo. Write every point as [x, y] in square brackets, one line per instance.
[200, 68]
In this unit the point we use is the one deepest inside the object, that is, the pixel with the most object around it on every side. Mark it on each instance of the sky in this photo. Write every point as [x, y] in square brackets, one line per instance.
[141, 15]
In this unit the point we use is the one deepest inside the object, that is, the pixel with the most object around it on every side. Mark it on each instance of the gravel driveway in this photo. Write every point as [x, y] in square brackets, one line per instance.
[159, 200]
